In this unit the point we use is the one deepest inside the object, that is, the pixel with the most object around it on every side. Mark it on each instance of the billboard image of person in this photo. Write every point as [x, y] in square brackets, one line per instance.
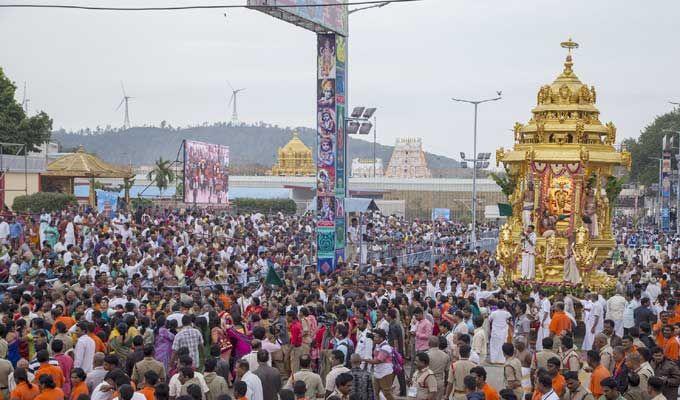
[206, 173]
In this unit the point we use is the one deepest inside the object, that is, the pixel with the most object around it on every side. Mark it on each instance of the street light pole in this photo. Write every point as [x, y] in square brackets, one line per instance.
[476, 103]
[474, 182]
[677, 182]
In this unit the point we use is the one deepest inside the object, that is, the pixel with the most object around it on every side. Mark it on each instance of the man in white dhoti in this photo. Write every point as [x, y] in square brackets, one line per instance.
[593, 318]
[544, 319]
[499, 324]
[529, 253]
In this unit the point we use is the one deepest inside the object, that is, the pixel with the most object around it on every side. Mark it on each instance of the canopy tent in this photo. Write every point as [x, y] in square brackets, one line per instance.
[83, 165]
[352, 205]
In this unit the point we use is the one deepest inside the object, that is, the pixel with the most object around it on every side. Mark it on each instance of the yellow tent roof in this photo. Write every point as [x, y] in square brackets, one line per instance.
[83, 165]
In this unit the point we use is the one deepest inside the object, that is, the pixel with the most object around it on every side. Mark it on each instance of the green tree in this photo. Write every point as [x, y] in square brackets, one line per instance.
[15, 126]
[162, 174]
[506, 181]
[647, 147]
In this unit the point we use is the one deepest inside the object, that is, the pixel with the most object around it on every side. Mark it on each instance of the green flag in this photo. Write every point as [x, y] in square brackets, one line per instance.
[273, 278]
[504, 210]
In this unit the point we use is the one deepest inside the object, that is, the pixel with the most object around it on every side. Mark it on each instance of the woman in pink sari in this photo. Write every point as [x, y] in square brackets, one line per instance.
[240, 337]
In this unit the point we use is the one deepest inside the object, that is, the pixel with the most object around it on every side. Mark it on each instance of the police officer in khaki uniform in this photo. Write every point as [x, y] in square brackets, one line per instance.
[512, 370]
[439, 363]
[457, 373]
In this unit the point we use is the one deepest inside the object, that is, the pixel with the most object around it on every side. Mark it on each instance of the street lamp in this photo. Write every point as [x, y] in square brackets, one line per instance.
[677, 183]
[476, 103]
[359, 122]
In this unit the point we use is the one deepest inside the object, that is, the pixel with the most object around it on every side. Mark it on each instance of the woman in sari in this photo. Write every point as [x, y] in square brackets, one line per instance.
[240, 337]
[12, 339]
[165, 335]
[120, 342]
[219, 337]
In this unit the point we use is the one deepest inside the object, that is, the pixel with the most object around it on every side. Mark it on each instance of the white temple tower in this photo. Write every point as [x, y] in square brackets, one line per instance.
[408, 160]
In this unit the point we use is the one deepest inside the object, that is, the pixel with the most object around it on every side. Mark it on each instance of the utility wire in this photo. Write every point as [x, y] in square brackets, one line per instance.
[198, 7]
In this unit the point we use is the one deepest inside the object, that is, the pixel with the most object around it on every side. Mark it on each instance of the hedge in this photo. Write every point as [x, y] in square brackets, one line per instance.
[47, 201]
[265, 206]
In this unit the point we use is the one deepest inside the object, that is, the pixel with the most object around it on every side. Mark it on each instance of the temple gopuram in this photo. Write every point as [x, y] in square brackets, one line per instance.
[562, 166]
[294, 159]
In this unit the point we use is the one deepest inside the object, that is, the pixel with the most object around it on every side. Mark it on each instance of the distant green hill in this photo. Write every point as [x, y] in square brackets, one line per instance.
[249, 144]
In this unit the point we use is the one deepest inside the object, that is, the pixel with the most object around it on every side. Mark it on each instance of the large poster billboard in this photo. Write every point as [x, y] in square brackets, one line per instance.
[331, 150]
[206, 173]
[319, 16]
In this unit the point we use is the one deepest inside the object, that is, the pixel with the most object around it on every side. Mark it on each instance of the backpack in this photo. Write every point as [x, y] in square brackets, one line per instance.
[397, 362]
[350, 350]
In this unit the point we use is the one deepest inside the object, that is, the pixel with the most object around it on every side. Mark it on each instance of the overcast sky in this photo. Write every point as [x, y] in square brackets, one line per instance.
[405, 59]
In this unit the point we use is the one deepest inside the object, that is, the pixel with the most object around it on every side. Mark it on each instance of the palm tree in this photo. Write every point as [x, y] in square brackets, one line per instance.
[162, 174]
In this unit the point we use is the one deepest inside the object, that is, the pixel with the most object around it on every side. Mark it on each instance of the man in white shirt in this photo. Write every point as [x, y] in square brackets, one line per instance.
[251, 357]
[629, 312]
[252, 381]
[85, 349]
[544, 386]
[543, 319]
[338, 368]
[364, 343]
[499, 333]
[4, 230]
[616, 306]
[175, 384]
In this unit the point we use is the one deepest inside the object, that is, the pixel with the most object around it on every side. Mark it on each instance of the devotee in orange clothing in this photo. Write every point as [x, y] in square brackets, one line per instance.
[48, 389]
[65, 319]
[78, 384]
[47, 369]
[24, 389]
[489, 392]
[599, 373]
[671, 348]
[560, 321]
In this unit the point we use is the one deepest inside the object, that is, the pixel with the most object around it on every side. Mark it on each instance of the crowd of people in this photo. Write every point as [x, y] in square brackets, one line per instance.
[162, 304]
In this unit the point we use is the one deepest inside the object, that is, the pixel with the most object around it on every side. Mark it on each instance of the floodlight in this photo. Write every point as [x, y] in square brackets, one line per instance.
[356, 113]
[462, 155]
[352, 127]
[365, 128]
[368, 113]
[485, 164]
[484, 156]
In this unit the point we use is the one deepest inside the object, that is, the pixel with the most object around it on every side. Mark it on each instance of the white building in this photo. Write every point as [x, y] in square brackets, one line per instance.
[363, 168]
[408, 160]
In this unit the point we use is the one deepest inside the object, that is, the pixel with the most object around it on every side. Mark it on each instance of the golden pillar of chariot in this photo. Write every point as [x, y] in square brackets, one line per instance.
[561, 162]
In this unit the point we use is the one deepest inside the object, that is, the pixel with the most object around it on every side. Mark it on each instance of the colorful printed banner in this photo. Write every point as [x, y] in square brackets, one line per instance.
[331, 179]
[666, 176]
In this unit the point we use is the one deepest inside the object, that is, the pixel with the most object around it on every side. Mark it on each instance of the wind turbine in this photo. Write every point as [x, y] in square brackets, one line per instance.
[125, 99]
[234, 93]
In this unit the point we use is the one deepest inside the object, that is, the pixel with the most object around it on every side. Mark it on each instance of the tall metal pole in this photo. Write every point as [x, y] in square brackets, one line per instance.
[677, 194]
[473, 237]
[474, 182]
[658, 198]
[375, 134]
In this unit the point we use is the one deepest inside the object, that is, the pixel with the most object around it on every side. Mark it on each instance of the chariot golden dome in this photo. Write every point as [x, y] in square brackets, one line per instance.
[565, 114]
[562, 165]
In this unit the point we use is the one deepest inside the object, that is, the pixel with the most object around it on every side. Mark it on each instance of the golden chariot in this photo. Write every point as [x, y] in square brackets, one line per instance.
[561, 163]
